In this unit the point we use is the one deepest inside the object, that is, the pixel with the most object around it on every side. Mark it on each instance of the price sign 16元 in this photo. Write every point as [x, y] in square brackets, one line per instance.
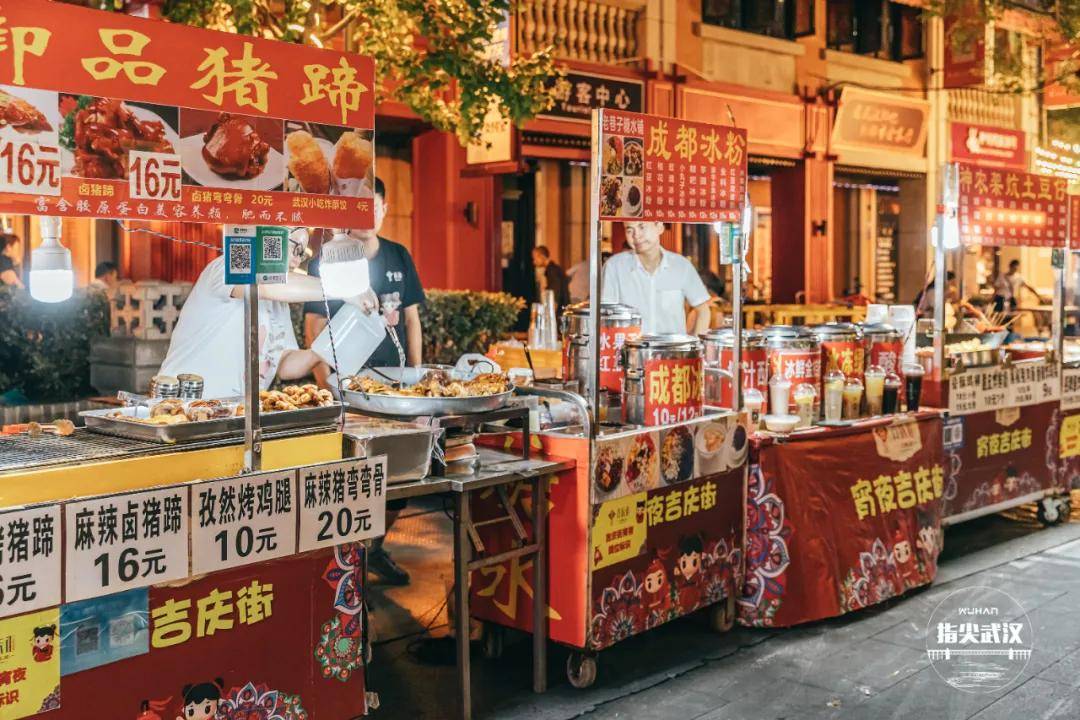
[28, 167]
[153, 176]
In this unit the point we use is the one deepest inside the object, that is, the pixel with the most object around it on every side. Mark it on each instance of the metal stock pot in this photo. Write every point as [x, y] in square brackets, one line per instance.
[662, 379]
[618, 323]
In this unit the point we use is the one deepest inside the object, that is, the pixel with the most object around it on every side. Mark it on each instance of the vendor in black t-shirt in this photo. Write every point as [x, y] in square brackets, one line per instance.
[394, 280]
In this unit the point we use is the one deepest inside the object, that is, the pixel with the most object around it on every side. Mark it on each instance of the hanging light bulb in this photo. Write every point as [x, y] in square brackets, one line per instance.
[343, 267]
[51, 278]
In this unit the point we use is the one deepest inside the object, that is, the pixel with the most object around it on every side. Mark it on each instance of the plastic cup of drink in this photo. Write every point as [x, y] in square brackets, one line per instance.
[875, 388]
[779, 395]
[805, 395]
[913, 378]
[753, 401]
[853, 392]
[890, 401]
[834, 395]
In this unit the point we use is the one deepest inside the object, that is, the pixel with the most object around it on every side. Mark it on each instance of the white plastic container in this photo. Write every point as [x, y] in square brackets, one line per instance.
[356, 336]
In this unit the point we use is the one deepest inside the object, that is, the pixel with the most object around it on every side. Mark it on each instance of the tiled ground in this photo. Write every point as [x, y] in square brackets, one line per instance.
[868, 665]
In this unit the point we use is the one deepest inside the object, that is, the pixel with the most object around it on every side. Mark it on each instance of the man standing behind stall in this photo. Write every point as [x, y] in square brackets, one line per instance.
[395, 280]
[658, 283]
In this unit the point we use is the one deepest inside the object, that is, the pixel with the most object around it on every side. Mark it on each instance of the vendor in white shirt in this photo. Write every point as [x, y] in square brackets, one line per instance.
[209, 336]
[660, 284]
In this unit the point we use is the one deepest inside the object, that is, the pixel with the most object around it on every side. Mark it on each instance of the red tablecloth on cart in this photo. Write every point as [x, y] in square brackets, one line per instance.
[999, 457]
[841, 518]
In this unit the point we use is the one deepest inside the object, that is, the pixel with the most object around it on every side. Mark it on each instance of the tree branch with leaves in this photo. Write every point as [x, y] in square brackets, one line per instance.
[431, 55]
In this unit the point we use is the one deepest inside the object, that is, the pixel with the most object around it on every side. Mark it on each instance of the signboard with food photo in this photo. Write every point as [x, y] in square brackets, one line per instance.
[154, 121]
[669, 170]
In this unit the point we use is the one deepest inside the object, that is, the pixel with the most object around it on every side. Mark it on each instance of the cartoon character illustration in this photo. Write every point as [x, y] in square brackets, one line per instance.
[656, 589]
[201, 701]
[905, 560]
[927, 545]
[43, 643]
[153, 709]
[688, 579]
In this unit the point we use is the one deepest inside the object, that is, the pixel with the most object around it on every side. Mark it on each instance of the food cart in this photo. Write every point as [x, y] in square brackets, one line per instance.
[648, 525]
[197, 561]
[1003, 402]
[1068, 440]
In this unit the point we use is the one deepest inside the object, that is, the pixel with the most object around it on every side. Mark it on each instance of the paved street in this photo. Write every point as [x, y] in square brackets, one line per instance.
[870, 664]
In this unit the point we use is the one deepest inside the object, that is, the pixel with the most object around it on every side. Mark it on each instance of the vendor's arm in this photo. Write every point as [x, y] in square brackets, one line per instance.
[300, 288]
[414, 336]
[697, 296]
[296, 364]
[313, 325]
[10, 277]
[702, 318]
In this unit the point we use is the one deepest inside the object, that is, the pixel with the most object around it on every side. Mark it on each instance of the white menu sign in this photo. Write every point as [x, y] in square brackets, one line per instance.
[122, 542]
[1070, 388]
[993, 388]
[29, 559]
[342, 502]
[243, 520]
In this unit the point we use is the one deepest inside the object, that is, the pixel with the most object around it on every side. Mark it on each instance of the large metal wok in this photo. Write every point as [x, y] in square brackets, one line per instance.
[418, 406]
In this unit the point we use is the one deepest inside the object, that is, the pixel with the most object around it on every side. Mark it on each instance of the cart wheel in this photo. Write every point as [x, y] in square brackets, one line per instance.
[493, 641]
[581, 669]
[722, 615]
[1049, 511]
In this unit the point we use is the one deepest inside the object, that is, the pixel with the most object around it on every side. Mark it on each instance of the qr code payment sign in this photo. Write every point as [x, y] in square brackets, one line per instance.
[272, 248]
[240, 258]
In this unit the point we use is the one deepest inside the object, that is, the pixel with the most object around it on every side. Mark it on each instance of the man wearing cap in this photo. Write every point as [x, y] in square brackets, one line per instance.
[209, 337]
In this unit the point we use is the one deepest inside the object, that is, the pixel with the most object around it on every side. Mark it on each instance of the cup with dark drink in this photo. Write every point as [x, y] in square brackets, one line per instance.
[913, 377]
[890, 397]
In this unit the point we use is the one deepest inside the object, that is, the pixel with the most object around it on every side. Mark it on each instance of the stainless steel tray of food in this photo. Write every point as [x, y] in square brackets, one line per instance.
[106, 422]
[417, 406]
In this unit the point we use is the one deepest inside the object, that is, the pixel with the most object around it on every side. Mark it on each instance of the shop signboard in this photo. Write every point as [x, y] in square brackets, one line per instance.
[30, 553]
[996, 388]
[1059, 158]
[990, 146]
[673, 390]
[122, 542]
[1074, 222]
[228, 129]
[243, 520]
[669, 170]
[1059, 62]
[873, 121]
[1009, 207]
[342, 502]
[577, 94]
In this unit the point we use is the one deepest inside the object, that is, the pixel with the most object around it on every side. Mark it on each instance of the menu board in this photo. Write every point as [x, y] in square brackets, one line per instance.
[669, 170]
[107, 115]
[1008, 207]
[995, 388]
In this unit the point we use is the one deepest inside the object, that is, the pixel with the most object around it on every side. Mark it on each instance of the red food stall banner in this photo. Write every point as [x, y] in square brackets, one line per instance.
[1074, 222]
[1008, 207]
[993, 146]
[669, 170]
[107, 115]
[673, 390]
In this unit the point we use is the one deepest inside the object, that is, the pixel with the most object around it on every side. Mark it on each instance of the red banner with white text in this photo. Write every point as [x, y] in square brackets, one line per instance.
[106, 115]
[1009, 207]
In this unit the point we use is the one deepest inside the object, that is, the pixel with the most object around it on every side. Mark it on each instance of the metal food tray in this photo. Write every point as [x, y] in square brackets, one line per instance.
[425, 406]
[402, 406]
[101, 422]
